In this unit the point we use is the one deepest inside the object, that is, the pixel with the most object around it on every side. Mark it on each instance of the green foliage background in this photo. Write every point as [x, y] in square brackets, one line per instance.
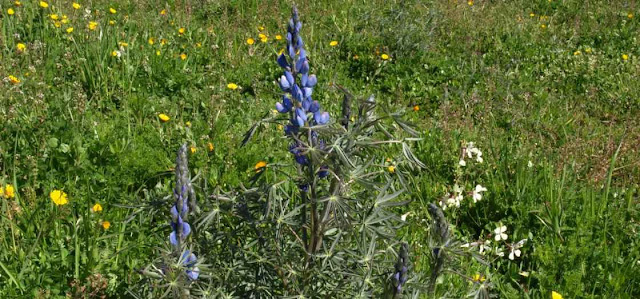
[539, 81]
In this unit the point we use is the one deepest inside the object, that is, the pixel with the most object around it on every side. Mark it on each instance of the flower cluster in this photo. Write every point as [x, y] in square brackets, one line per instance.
[499, 234]
[470, 151]
[401, 268]
[7, 191]
[180, 229]
[302, 108]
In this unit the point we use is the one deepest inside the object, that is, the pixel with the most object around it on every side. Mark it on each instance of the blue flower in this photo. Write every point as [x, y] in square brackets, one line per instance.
[189, 261]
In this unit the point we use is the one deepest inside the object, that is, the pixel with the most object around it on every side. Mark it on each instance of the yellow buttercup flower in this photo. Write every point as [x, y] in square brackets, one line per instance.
[115, 53]
[53, 16]
[555, 295]
[543, 26]
[112, 22]
[261, 28]
[478, 278]
[44, 4]
[97, 208]
[333, 43]
[17, 3]
[188, 124]
[163, 117]
[158, 53]
[183, 56]
[8, 192]
[576, 53]
[625, 57]
[163, 12]
[70, 29]
[92, 25]
[391, 169]
[151, 40]
[263, 38]
[193, 149]
[630, 16]
[250, 41]
[57, 24]
[112, 10]
[106, 224]
[13, 79]
[75, 5]
[59, 197]
[10, 11]
[182, 30]
[123, 44]
[21, 47]
[163, 42]
[384, 57]
[260, 166]
[210, 146]
[232, 86]
[278, 37]
[532, 15]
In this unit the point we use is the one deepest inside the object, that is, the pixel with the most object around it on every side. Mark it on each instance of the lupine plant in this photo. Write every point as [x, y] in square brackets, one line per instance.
[324, 224]
[178, 268]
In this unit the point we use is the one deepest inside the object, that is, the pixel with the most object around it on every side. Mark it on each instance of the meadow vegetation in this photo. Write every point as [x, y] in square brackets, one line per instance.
[513, 128]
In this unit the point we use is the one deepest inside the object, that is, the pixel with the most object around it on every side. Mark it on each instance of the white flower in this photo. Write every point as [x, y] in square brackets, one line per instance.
[477, 193]
[530, 164]
[499, 252]
[485, 246]
[500, 232]
[404, 216]
[462, 163]
[515, 249]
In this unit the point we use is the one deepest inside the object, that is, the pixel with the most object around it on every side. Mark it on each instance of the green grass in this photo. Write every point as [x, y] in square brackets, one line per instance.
[87, 122]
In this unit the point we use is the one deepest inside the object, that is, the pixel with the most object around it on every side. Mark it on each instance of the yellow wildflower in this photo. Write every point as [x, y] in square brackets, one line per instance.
[630, 16]
[9, 191]
[260, 28]
[163, 117]
[151, 40]
[193, 149]
[21, 47]
[75, 5]
[10, 11]
[391, 169]
[163, 42]
[250, 41]
[106, 224]
[17, 3]
[416, 108]
[115, 53]
[97, 208]
[260, 166]
[53, 16]
[183, 56]
[588, 50]
[93, 25]
[13, 79]
[123, 44]
[112, 22]
[198, 45]
[625, 57]
[543, 26]
[478, 278]
[112, 10]
[210, 146]
[44, 4]
[232, 86]
[278, 37]
[263, 38]
[182, 30]
[576, 53]
[188, 124]
[59, 197]
[470, 3]
[70, 29]
[333, 43]
[532, 15]
[384, 57]
[163, 12]
[57, 24]
[158, 53]
[555, 295]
